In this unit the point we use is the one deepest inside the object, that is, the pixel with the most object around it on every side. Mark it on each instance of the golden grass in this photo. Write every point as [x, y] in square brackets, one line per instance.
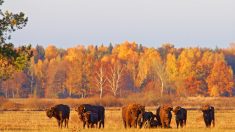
[108, 101]
[38, 121]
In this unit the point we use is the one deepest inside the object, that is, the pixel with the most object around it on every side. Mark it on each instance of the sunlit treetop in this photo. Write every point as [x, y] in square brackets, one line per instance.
[16, 58]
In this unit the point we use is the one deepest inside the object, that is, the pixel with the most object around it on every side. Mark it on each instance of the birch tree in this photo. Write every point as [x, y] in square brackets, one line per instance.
[114, 78]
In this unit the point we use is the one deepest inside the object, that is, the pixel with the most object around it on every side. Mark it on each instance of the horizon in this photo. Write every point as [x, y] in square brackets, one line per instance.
[70, 23]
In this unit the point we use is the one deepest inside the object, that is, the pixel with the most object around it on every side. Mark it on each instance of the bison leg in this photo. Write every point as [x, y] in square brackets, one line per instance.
[67, 123]
[124, 123]
[185, 122]
[58, 121]
[207, 124]
[129, 124]
[163, 123]
[213, 121]
[61, 123]
[177, 123]
[102, 123]
[96, 125]
[84, 124]
[169, 123]
[99, 123]
[181, 123]
[87, 125]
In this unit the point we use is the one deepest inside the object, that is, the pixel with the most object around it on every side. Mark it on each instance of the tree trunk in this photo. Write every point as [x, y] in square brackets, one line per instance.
[115, 94]
[31, 85]
[101, 92]
[6, 92]
[35, 90]
[17, 93]
[70, 92]
[162, 89]
[13, 94]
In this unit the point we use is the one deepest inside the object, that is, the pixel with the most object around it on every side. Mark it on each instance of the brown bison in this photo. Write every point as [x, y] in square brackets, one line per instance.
[99, 110]
[132, 115]
[89, 119]
[208, 115]
[61, 113]
[180, 116]
[164, 115]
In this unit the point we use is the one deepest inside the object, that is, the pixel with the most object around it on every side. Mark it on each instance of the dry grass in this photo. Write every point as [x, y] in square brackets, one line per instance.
[37, 121]
[109, 101]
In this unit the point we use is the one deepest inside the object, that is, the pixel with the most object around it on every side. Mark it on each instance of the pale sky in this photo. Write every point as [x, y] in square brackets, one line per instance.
[184, 23]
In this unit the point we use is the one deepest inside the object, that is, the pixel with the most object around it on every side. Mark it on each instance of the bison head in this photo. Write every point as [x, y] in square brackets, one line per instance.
[50, 112]
[206, 109]
[81, 110]
[167, 108]
[176, 110]
[140, 117]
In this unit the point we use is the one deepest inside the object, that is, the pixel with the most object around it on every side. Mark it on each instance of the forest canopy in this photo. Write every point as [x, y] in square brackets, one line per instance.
[123, 69]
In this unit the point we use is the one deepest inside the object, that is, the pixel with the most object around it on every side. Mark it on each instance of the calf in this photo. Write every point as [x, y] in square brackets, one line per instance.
[99, 110]
[90, 119]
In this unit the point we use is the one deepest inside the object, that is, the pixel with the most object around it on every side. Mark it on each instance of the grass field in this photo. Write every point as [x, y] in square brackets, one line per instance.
[38, 121]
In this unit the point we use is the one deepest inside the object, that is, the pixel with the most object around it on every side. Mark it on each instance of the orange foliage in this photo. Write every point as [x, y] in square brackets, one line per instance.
[121, 70]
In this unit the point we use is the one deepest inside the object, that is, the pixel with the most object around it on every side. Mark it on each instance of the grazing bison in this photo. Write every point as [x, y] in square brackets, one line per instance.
[148, 118]
[99, 110]
[154, 124]
[180, 116]
[132, 115]
[164, 115]
[90, 119]
[208, 115]
[61, 113]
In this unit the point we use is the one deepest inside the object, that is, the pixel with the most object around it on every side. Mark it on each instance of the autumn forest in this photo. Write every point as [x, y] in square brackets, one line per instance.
[120, 70]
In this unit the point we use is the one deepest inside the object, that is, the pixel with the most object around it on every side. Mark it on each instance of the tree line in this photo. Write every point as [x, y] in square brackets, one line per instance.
[117, 70]
[123, 69]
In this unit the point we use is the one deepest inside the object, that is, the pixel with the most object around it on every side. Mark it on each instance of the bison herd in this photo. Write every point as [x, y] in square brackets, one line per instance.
[133, 116]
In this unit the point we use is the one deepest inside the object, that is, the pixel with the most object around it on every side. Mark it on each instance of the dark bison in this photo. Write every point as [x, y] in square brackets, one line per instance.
[148, 120]
[180, 116]
[61, 113]
[99, 110]
[208, 115]
[132, 115]
[154, 124]
[90, 119]
[164, 115]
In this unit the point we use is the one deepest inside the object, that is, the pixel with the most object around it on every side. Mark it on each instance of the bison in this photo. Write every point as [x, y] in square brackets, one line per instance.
[61, 113]
[208, 115]
[99, 110]
[163, 114]
[180, 116]
[154, 124]
[90, 119]
[148, 118]
[132, 115]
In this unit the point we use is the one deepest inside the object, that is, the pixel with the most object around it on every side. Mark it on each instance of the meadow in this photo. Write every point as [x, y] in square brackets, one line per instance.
[30, 121]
